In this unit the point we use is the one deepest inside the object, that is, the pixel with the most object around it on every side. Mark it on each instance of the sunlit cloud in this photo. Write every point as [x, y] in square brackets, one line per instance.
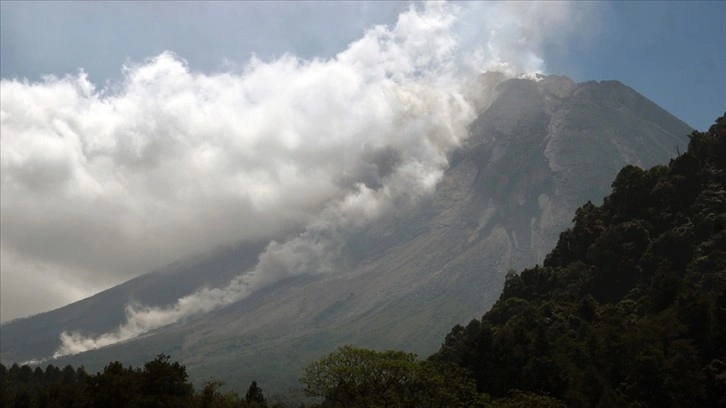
[112, 182]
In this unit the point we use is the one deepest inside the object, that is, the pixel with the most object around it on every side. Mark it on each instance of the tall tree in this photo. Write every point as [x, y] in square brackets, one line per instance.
[254, 395]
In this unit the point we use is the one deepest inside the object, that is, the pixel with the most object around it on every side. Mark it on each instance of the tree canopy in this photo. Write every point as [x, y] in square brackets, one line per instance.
[356, 377]
[161, 383]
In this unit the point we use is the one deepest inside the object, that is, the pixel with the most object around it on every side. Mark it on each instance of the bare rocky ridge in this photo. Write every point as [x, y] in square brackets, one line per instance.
[538, 150]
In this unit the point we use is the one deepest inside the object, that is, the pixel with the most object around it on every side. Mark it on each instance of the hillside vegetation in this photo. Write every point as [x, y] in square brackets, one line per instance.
[161, 383]
[629, 309]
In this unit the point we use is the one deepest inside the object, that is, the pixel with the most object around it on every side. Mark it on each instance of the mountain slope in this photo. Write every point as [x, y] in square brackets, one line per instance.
[629, 309]
[538, 151]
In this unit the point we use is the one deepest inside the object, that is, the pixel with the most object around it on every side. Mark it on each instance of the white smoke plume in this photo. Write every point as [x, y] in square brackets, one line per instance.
[172, 162]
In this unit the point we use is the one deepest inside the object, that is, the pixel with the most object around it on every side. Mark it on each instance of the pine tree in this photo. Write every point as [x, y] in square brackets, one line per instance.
[254, 395]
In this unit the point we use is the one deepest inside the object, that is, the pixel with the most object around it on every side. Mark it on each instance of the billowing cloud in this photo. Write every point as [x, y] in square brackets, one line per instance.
[105, 184]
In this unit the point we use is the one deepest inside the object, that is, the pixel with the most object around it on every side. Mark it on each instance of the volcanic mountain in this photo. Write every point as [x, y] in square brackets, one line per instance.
[539, 149]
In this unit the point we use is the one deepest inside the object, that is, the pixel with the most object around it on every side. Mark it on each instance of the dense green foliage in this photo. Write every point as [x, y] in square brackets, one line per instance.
[360, 378]
[353, 377]
[629, 309]
[161, 383]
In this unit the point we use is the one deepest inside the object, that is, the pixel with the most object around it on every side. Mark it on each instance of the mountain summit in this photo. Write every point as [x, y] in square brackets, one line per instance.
[538, 149]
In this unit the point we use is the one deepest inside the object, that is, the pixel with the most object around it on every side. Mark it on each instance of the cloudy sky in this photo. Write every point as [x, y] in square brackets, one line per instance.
[138, 133]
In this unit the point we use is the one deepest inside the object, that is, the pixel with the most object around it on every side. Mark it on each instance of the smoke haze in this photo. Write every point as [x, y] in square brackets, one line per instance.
[101, 184]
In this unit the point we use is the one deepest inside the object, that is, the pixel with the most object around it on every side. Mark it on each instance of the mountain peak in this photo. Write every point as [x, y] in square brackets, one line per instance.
[560, 86]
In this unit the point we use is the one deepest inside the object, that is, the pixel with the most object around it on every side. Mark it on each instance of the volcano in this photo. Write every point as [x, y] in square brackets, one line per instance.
[539, 149]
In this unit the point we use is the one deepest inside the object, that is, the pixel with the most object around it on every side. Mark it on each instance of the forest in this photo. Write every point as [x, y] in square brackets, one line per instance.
[160, 383]
[628, 310]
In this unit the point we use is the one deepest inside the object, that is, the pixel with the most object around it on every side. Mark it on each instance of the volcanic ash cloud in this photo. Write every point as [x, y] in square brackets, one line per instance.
[170, 162]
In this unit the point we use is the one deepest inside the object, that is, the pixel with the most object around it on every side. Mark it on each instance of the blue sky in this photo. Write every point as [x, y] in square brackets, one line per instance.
[175, 142]
[672, 52]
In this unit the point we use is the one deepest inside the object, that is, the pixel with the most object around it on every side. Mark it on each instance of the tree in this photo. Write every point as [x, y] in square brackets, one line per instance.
[254, 395]
[165, 384]
[356, 377]
[4, 398]
[209, 393]
[116, 386]
[520, 399]
[161, 383]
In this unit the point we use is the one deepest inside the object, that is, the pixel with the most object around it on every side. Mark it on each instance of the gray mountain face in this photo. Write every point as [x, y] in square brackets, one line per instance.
[536, 152]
